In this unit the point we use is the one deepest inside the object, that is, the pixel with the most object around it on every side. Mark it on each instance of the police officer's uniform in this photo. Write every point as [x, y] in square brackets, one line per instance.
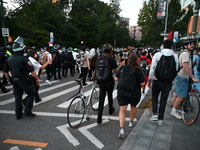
[20, 67]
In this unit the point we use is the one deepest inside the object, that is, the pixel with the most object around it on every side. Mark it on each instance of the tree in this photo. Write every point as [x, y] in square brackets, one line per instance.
[152, 28]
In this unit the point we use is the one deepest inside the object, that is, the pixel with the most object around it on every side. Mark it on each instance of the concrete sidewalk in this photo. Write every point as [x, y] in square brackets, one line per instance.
[173, 135]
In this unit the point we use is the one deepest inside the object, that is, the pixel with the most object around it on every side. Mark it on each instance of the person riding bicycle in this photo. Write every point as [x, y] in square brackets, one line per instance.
[182, 78]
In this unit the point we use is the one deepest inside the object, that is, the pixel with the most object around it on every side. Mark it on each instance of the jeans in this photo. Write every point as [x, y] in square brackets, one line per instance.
[162, 88]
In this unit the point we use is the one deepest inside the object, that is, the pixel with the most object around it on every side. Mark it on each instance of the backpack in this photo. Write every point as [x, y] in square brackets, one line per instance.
[144, 66]
[80, 58]
[127, 80]
[103, 70]
[166, 69]
[43, 58]
[198, 66]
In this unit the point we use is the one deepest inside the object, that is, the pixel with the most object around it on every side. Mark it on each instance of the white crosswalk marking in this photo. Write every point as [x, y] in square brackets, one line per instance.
[49, 88]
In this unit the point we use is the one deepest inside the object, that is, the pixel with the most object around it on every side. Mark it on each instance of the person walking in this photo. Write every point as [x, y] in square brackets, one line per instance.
[130, 79]
[20, 67]
[32, 55]
[145, 64]
[85, 65]
[106, 86]
[183, 76]
[49, 69]
[163, 70]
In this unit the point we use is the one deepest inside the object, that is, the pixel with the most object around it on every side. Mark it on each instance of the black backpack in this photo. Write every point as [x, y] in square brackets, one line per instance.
[144, 65]
[103, 70]
[166, 69]
[127, 79]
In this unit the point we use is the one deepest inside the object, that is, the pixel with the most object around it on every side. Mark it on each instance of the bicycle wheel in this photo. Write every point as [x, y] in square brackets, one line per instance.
[94, 101]
[190, 109]
[170, 100]
[76, 112]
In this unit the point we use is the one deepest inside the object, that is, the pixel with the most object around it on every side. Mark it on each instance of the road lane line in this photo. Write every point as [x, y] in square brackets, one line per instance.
[22, 142]
[63, 129]
[90, 136]
[40, 91]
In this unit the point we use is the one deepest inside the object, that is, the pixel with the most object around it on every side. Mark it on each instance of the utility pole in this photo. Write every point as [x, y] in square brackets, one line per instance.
[3, 21]
[196, 16]
[166, 19]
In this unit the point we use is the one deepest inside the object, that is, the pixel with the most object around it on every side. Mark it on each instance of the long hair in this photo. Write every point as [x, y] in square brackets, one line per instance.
[133, 61]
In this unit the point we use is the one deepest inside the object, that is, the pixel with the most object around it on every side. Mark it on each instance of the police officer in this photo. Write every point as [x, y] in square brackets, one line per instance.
[20, 67]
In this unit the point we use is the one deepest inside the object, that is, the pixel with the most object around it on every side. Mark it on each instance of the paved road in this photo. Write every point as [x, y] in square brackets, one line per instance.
[49, 129]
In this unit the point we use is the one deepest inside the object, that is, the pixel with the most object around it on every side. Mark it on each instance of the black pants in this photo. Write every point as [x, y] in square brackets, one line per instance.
[105, 87]
[19, 87]
[56, 67]
[157, 88]
[49, 72]
[84, 71]
[67, 66]
[91, 71]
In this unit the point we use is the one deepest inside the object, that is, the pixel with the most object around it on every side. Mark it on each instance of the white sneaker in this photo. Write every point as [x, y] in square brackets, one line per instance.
[47, 81]
[121, 133]
[131, 123]
[176, 114]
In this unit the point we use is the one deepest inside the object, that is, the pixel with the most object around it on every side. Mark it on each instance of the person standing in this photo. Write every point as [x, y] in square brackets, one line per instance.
[196, 61]
[20, 67]
[130, 79]
[3, 57]
[108, 85]
[85, 65]
[93, 59]
[182, 78]
[161, 83]
[67, 61]
[56, 64]
[32, 55]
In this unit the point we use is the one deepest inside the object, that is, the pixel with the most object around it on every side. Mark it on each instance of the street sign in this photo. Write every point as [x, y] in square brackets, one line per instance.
[5, 32]
[51, 37]
[164, 34]
[175, 39]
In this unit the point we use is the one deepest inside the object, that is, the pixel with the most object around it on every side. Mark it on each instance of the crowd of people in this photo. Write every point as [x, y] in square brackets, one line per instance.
[133, 69]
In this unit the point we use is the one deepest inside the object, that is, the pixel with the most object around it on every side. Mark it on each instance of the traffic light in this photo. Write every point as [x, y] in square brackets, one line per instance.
[54, 1]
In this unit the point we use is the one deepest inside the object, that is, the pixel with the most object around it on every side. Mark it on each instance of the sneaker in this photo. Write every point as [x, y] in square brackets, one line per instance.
[47, 81]
[154, 118]
[132, 123]
[121, 133]
[160, 122]
[176, 114]
[30, 115]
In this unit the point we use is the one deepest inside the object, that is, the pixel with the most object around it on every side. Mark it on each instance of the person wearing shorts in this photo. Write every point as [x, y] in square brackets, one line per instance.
[133, 98]
[182, 79]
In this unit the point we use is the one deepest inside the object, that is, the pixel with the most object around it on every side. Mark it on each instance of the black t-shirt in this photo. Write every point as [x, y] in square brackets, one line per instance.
[139, 79]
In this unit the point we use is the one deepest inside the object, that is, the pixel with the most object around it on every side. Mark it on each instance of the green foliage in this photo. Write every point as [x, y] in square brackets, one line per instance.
[71, 21]
[152, 28]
